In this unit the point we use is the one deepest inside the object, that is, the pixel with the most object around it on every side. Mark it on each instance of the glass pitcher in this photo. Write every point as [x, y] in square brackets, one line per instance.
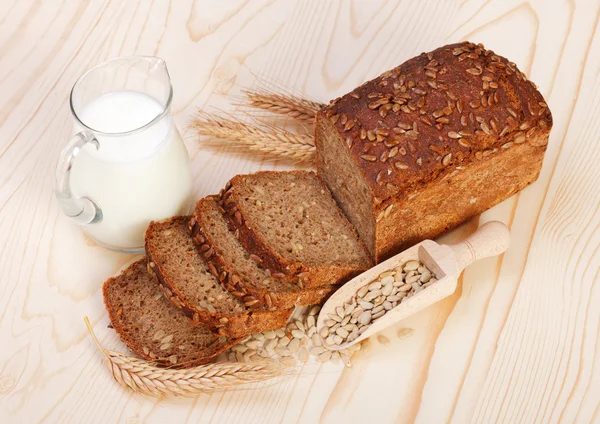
[126, 164]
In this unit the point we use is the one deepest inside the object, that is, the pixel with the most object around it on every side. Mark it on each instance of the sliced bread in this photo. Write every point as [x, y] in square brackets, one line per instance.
[192, 285]
[152, 327]
[241, 275]
[292, 226]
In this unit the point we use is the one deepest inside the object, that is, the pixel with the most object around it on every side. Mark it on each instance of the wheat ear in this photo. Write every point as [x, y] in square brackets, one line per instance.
[284, 104]
[146, 378]
[272, 140]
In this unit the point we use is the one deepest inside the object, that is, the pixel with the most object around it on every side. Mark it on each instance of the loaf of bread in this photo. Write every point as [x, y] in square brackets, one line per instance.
[431, 143]
[291, 225]
[154, 328]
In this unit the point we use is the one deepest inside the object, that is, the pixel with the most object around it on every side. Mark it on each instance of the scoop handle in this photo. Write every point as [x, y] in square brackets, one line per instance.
[491, 239]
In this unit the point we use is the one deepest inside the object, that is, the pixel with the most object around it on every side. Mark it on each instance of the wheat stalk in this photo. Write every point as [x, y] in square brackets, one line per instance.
[285, 104]
[146, 378]
[272, 140]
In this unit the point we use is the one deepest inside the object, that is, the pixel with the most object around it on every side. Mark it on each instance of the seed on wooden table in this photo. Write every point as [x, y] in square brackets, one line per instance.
[317, 350]
[335, 357]
[271, 345]
[416, 287]
[303, 354]
[290, 326]
[270, 335]
[330, 322]
[362, 329]
[386, 274]
[330, 341]
[392, 298]
[342, 332]
[314, 310]
[283, 351]
[411, 266]
[387, 289]
[346, 320]
[387, 305]
[325, 356]
[300, 325]
[312, 330]
[383, 339]
[253, 344]
[362, 291]
[310, 321]
[248, 355]
[298, 334]
[339, 311]
[335, 317]
[284, 341]
[324, 332]
[349, 309]
[405, 333]
[354, 334]
[258, 336]
[354, 320]
[240, 348]
[280, 332]
[294, 345]
[317, 340]
[335, 327]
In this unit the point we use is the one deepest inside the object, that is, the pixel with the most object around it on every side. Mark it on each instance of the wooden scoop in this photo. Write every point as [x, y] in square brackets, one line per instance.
[446, 262]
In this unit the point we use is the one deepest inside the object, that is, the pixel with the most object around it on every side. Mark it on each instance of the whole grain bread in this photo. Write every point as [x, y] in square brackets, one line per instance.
[431, 143]
[239, 274]
[291, 225]
[154, 328]
[192, 285]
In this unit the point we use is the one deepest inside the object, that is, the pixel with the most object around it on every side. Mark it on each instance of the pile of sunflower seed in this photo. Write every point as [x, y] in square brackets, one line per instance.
[298, 341]
[373, 300]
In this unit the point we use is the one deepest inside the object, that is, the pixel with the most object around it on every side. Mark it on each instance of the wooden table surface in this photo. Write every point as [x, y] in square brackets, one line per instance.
[518, 341]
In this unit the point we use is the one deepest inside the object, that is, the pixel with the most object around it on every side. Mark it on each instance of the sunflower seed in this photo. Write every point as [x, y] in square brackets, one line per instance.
[317, 350]
[316, 340]
[270, 335]
[284, 341]
[298, 334]
[324, 357]
[294, 345]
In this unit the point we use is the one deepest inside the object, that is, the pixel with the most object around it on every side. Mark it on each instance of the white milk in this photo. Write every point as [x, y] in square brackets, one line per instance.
[134, 178]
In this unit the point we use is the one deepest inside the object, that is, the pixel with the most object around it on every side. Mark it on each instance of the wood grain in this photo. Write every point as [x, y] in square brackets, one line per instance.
[516, 343]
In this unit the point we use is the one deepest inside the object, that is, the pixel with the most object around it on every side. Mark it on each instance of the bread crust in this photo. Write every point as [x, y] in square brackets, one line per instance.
[434, 115]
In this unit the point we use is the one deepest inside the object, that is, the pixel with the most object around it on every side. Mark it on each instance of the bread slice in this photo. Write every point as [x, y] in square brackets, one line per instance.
[242, 276]
[152, 327]
[292, 226]
[191, 284]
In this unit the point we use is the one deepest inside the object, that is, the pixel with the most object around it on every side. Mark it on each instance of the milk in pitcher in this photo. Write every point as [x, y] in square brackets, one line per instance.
[135, 177]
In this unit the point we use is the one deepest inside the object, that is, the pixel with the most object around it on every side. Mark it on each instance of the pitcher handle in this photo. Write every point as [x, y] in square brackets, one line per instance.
[83, 210]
